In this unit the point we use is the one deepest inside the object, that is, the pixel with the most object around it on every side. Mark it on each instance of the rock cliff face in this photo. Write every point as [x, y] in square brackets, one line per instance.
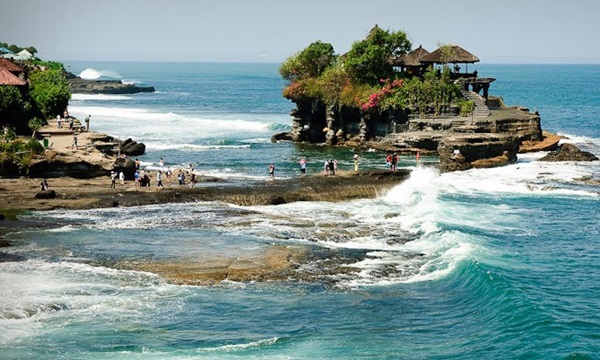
[486, 140]
[60, 166]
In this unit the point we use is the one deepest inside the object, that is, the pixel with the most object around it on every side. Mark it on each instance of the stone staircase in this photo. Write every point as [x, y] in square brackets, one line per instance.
[481, 110]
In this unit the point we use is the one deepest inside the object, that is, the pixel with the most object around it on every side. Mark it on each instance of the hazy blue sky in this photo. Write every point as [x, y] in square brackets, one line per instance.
[514, 31]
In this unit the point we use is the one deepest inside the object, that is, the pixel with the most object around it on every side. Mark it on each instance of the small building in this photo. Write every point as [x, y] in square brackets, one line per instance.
[8, 78]
[10, 73]
[452, 54]
[21, 55]
[10, 66]
[411, 62]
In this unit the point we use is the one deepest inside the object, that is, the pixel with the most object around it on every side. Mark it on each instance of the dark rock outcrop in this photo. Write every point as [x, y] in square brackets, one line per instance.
[132, 148]
[283, 136]
[60, 166]
[46, 194]
[569, 152]
[82, 86]
[466, 151]
[126, 165]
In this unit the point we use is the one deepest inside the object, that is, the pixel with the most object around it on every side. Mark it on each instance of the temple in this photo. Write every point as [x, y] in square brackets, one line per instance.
[419, 60]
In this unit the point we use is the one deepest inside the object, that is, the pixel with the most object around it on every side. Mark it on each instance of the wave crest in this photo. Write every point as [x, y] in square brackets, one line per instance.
[93, 74]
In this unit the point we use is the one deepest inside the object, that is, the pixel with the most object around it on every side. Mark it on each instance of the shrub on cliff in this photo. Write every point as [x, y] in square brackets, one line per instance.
[20, 152]
[308, 63]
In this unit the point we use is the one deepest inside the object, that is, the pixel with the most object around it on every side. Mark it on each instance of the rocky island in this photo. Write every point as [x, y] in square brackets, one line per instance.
[403, 101]
[84, 86]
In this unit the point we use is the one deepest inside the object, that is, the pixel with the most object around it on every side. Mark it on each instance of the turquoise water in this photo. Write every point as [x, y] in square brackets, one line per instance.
[495, 264]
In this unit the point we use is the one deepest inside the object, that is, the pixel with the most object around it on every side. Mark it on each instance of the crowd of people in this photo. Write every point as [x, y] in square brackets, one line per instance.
[164, 175]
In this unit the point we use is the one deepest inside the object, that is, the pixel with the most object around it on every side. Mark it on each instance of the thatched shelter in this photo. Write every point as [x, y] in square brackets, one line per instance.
[453, 54]
[413, 58]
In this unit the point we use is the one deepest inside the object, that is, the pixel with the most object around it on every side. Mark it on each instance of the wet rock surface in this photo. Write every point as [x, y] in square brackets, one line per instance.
[569, 152]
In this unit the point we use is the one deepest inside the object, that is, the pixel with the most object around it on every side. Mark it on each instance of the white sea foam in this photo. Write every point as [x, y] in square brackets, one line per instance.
[192, 147]
[236, 347]
[35, 291]
[167, 128]
[98, 97]
[93, 74]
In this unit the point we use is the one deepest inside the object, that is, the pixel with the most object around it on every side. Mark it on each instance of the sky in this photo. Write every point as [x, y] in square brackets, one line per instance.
[505, 31]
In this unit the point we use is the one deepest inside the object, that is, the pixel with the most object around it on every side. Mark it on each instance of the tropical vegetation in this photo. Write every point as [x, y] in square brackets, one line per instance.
[365, 79]
[24, 108]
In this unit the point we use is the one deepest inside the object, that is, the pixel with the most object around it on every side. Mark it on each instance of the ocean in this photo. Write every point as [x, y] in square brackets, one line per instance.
[483, 264]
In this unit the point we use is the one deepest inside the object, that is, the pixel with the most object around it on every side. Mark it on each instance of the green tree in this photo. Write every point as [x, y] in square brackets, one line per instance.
[310, 62]
[368, 59]
[14, 108]
[49, 91]
[35, 124]
[32, 50]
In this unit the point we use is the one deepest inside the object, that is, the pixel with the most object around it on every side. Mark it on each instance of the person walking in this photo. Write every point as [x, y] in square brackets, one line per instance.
[113, 179]
[355, 158]
[122, 179]
[159, 179]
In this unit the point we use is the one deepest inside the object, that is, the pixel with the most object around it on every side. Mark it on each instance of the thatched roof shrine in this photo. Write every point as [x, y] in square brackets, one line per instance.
[454, 55]
[413, 58]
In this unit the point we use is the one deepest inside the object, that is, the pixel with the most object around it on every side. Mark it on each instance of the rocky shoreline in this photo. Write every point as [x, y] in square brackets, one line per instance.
[69, 189]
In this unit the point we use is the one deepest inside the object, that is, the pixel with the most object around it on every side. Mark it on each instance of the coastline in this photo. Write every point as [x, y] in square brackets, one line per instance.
[19, 194]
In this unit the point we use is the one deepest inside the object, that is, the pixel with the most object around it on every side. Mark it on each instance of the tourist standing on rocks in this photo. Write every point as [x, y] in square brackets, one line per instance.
[113, 179]
[272, 171]
[74, 141]
[394, 163]
[136, 178]
[331, 166]
[44, 185]
[192, 180]
[302, 163]
[159, 178]
[122, 179]
[169, 173]
[87, 123]
[58, 121]
[355, 158]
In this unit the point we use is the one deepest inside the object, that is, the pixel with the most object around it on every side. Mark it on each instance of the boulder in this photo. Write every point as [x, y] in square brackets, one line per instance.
[569, 152]
[126, 165]
[286, 136]
[132, 148]
[46, 194]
